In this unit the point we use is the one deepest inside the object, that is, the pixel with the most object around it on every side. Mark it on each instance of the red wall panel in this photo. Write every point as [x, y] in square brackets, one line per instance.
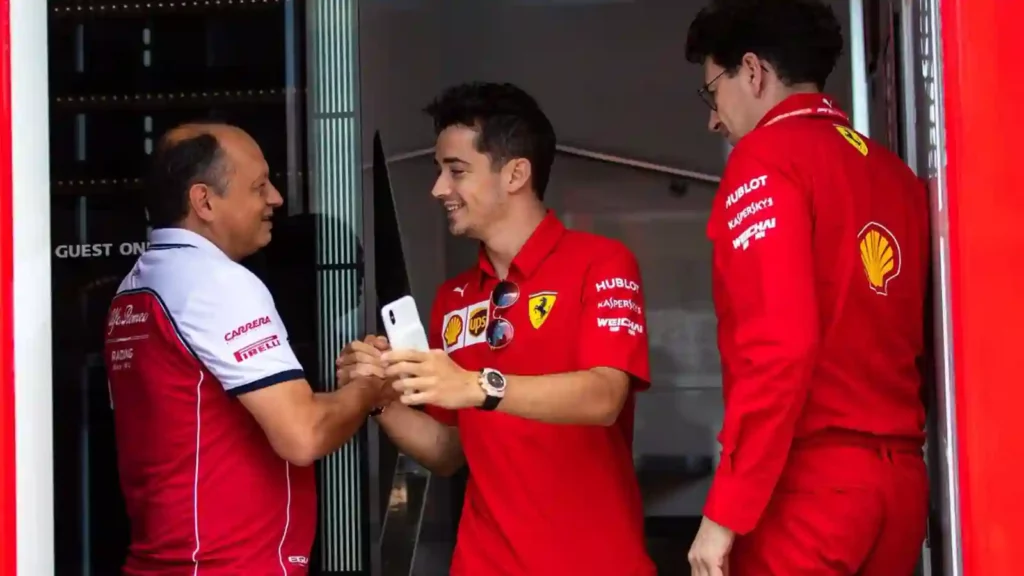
[8, 524]
[984, 95]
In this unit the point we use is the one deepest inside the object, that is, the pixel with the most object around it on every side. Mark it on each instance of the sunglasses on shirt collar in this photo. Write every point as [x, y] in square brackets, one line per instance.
[499, 330]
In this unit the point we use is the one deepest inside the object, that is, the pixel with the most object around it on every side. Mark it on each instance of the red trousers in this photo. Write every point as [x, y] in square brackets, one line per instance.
[844, 506]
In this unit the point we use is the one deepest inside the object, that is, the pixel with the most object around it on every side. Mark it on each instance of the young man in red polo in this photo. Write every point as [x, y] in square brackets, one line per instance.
[538, 350]
[821, 263]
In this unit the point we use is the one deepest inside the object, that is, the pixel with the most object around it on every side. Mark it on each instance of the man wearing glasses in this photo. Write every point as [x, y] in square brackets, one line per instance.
[821, 263]
[537, 353]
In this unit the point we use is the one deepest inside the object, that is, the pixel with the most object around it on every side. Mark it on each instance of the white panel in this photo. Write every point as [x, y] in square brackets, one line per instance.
[33, 381]
[859, 69]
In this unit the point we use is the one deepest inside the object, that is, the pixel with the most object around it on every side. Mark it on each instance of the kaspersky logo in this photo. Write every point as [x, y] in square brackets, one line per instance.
[880, 255]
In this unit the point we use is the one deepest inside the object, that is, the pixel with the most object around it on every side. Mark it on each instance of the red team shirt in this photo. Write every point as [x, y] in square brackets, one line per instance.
[821, 251]
[188, 331]
[546, 499]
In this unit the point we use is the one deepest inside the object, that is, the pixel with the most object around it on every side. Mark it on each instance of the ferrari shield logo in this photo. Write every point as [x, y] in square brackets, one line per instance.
[541, 304]
[853, 138]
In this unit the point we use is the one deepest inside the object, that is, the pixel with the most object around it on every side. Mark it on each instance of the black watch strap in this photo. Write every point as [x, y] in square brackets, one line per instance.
[490, 402]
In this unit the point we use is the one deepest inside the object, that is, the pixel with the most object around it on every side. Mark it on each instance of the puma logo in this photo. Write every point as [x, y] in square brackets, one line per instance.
[461, 290]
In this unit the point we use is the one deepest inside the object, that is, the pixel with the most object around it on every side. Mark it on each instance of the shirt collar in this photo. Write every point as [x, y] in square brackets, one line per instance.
[165, 238]
[542, 241]
[817, 105]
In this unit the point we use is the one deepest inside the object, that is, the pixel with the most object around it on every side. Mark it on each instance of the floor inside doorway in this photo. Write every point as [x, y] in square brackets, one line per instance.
[668, 539]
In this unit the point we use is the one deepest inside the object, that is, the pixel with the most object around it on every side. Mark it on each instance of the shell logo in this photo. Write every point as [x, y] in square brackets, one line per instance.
[452, 330]
[880, 254]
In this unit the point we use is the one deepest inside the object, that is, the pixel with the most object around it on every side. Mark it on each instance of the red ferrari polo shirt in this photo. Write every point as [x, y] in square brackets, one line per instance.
[546, 499]
[821, 263]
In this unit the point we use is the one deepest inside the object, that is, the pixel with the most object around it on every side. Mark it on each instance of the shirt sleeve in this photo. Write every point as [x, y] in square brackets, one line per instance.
[764, 280]
[613, 327]
[434, 338]
[234, 329]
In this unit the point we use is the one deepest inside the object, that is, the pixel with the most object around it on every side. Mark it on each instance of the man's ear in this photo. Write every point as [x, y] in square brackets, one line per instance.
[199, 198]
[516, 174]
[752, 71]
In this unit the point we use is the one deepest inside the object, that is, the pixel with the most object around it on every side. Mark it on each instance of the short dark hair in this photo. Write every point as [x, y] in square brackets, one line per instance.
[177, 164]
[800, 38]
[510, 124]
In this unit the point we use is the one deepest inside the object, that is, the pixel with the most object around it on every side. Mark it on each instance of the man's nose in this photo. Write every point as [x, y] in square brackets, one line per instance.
[441, 188]
[274, 198]
[714, 122]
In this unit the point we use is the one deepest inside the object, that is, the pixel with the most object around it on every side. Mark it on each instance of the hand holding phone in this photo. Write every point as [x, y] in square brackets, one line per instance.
[402, 325]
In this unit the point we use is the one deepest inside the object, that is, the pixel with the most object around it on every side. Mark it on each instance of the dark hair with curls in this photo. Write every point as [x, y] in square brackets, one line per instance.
[800, 38]
[509, 121]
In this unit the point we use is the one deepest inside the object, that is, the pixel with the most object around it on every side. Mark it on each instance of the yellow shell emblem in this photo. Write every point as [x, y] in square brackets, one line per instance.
[452, 331]
[541, 305]
[853, 138]
[880, 255]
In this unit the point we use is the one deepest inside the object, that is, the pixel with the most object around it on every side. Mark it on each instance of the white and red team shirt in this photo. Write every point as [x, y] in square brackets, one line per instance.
[188, 331]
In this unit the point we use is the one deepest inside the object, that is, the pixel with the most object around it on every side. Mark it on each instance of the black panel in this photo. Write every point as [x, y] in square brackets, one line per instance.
[391, 282]
[120, 75]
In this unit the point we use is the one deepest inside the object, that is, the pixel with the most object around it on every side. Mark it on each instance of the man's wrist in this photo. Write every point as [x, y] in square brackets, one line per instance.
[366, 394]
[380, 407]
[472, 380]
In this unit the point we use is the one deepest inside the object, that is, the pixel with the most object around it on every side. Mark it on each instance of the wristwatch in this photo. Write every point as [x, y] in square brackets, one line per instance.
[493, 383]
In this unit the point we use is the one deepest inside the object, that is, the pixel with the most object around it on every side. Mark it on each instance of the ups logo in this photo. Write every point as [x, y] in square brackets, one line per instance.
[478, 321]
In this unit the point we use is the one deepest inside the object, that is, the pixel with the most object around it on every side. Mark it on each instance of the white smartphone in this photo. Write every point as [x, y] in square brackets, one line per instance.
[402, 325]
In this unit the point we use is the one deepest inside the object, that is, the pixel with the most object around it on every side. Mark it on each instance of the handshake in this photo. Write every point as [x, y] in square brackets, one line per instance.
[360, 363]
[412, 377]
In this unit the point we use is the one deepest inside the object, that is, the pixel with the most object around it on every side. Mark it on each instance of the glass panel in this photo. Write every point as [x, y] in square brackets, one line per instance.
[120, 75]
[335, 187]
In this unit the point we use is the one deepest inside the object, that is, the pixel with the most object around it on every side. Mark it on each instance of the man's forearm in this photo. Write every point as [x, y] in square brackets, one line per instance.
[766, 401]
[340, 414]
[427, 441]
[593, 397]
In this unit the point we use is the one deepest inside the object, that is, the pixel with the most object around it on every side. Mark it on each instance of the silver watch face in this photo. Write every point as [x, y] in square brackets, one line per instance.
[496, 381]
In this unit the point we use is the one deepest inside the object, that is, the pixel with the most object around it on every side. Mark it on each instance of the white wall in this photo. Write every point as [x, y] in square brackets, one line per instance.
[32, 326]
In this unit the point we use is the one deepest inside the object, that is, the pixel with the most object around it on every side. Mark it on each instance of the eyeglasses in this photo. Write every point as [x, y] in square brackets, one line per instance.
[707, 95]
[499, 330]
